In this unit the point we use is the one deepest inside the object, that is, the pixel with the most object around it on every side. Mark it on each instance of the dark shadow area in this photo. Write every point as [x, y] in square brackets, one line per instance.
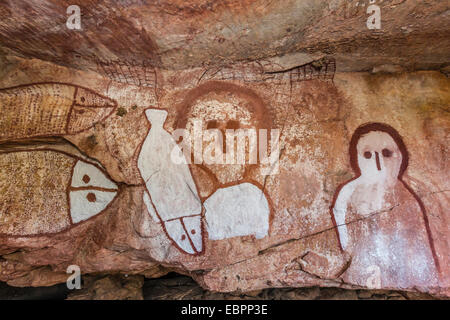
[56, 292]
[174, 286]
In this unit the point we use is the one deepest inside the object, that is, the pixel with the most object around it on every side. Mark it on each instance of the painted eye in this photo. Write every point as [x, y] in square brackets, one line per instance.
[91, 197]
[367, 154]
[193, 231]
[85, 204]
[212, 124]
[88, 175]
[183, 237]
[233, 124]
[82, 99]
[386, 153]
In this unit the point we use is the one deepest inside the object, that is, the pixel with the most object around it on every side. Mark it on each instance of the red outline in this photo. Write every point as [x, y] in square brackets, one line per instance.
[359, 132]
[258, 107]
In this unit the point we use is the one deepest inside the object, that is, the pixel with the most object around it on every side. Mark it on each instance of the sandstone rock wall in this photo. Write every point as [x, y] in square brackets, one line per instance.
[232, 147]
[112, 227]
[119, 35]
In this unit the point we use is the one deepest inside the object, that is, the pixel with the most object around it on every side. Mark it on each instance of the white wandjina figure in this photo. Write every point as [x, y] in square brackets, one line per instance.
[172, 197]
[380, 221]
[236, 211]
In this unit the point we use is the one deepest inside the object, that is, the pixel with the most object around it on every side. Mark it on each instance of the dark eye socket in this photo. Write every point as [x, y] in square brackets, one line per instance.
[91, 197]
[367, 154]
[233, 124]
[86, 178]
[386, 153]
[212, 124]
[82, 99]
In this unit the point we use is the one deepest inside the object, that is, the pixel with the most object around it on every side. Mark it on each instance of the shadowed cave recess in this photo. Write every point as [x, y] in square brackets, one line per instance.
[224, 150]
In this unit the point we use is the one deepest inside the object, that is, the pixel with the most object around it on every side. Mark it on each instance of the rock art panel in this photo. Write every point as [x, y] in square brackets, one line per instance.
[50, 109]
[381, 222]
[170, 186]
[172, 197]
[46, 191]
[252, 230]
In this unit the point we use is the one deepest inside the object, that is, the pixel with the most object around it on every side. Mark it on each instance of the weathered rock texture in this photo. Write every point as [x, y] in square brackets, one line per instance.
[180, 34]
[357, 196]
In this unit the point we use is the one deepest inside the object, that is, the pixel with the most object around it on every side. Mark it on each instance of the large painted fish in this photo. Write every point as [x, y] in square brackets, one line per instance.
[45, 191]
[50, 109]
[171, 194]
